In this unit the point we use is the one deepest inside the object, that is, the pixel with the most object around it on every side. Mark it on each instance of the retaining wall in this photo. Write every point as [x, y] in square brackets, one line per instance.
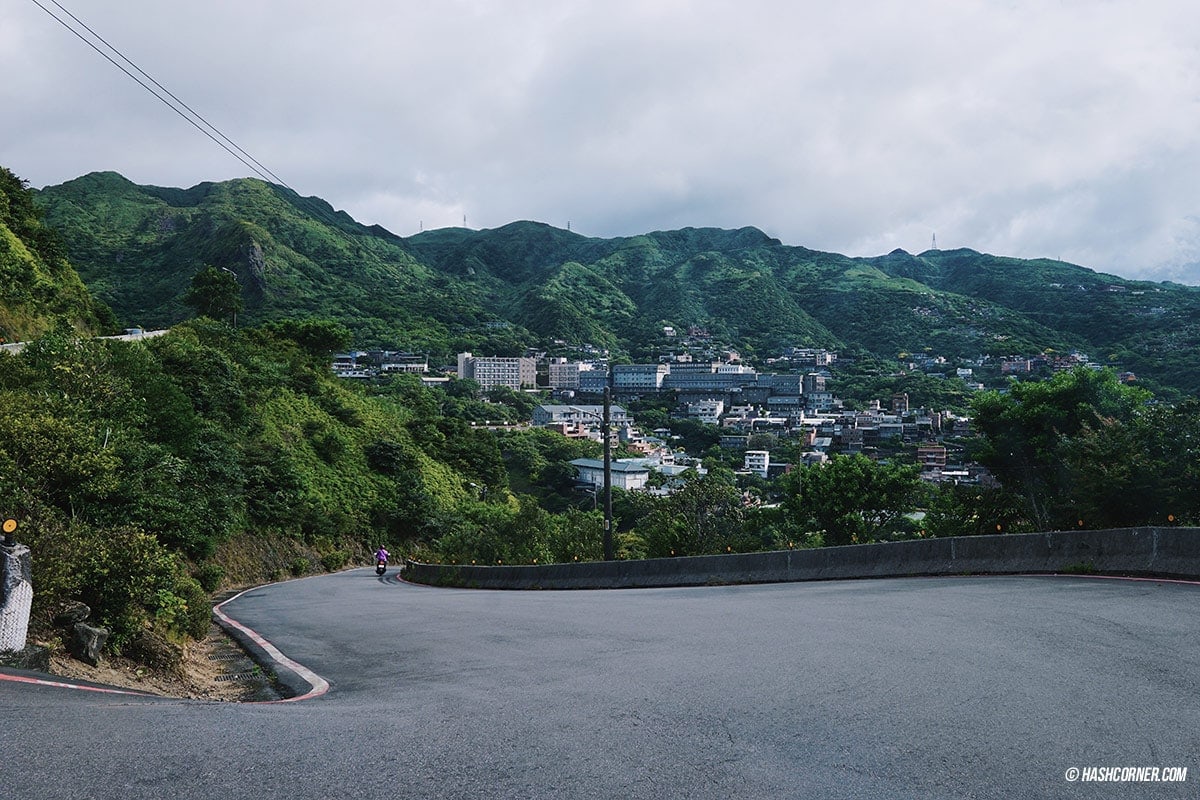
[1158, 552]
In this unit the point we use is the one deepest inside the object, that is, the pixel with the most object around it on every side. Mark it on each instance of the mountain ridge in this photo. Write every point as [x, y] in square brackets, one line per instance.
[528, 283]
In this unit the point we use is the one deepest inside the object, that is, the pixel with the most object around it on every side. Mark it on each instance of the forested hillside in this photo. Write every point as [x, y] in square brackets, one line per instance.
[1152, 329]
[38, 287]
[144, 475]
[527, 284]
[148, 474]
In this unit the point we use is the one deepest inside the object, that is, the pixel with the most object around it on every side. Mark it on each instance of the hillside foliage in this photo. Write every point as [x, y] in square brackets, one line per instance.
[528, 284]
[148, 474]
[135, 468]
[38, 287]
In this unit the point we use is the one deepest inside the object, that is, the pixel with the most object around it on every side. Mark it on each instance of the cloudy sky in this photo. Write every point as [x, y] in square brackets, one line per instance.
[1049, 128]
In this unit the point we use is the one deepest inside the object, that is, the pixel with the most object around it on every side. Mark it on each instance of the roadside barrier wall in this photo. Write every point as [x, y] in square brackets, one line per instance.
[1151, 552]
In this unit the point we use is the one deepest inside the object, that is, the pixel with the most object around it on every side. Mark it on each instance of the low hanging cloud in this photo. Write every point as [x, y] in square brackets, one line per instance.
[1030, 129]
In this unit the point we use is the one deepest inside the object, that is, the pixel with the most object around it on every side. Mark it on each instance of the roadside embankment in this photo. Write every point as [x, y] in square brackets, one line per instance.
[1151, 552]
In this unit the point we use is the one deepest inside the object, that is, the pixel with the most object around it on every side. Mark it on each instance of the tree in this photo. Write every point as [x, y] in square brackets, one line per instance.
[215, 293]
[577, 536]
[490, 533]
[705, 516]
[695, 436]
[522, 403]
[317, 336]
[1141, 471]
[1026, 434]
[963, 510]
[853, 499]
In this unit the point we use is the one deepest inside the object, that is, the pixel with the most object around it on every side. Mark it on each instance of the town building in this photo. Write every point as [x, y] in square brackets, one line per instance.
[593, 381]
[390, 362]
[628, 475]
[708, 411]
[493, 371]
[758, 462]
[638, 378]
[564, 374]
[931, 456]
[579, 416]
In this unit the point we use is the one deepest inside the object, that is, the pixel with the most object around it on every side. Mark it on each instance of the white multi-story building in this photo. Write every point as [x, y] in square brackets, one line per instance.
[638, 377]
[708, 411]
[627, 475]
[492, 371]
[586, 416]
[417, 365]
[758, 462]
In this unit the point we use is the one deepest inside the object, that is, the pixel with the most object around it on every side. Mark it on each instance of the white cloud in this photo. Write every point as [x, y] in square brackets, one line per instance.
[1022, 128]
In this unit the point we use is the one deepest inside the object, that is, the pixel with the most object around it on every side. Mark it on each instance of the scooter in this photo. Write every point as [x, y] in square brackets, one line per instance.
[380, 566]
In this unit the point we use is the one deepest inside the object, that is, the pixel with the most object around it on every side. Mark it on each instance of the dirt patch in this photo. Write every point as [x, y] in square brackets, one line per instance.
[214, 668]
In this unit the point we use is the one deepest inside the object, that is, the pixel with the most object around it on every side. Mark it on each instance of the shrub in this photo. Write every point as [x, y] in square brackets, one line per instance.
[334, 561]
[197, 608]
[210, 576]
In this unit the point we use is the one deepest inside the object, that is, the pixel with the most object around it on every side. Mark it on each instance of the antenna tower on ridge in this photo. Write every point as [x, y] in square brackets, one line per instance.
[934, 242]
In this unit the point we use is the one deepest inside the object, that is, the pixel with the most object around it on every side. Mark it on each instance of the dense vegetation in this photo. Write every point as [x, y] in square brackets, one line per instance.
[148, 474]
[38, 287]
[526, 284]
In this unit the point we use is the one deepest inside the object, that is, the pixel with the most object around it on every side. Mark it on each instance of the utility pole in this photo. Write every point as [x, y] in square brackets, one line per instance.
[604, 427]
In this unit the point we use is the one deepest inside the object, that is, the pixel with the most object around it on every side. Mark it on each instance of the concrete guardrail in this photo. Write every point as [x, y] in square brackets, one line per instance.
[1150, 552]
[136, 336]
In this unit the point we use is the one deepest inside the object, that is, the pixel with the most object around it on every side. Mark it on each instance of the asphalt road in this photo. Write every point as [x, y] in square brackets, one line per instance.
[915, 688]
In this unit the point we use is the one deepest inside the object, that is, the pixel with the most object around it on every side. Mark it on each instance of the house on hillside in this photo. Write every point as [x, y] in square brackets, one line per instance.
[627, 475]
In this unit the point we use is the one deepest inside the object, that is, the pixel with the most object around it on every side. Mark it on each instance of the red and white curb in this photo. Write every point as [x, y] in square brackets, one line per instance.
[318, 685]
[79, 686]
[1132, 578]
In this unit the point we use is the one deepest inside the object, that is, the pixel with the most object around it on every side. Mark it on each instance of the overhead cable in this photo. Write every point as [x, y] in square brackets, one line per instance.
[182, 109]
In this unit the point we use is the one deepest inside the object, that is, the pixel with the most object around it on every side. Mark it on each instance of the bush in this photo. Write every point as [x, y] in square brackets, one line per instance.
[210, 576]
[124, 575]
[334, 561]
[197, 608]
[300, 566]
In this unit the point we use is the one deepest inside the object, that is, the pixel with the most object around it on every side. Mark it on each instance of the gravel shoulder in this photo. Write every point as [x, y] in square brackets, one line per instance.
[214, 668]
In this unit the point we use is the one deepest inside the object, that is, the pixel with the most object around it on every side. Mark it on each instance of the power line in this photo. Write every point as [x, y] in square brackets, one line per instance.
[227, 144]
[195, 119]
[190, 110]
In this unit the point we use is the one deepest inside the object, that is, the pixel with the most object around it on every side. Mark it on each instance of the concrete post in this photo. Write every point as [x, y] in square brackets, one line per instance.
[16, 595]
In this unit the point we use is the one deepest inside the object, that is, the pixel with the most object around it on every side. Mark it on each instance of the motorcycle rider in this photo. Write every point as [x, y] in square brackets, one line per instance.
[381, 554]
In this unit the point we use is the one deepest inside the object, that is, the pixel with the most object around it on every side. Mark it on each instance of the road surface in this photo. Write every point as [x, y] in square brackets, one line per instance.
[980, 687]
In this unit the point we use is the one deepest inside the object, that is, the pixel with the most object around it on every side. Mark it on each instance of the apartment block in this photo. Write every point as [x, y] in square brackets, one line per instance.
[564, 374]
[492, 371]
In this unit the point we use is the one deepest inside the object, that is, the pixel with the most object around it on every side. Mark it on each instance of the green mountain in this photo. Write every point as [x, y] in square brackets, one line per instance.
[38, 287]
[139, 246]
[526, 284]
[1148, 328]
